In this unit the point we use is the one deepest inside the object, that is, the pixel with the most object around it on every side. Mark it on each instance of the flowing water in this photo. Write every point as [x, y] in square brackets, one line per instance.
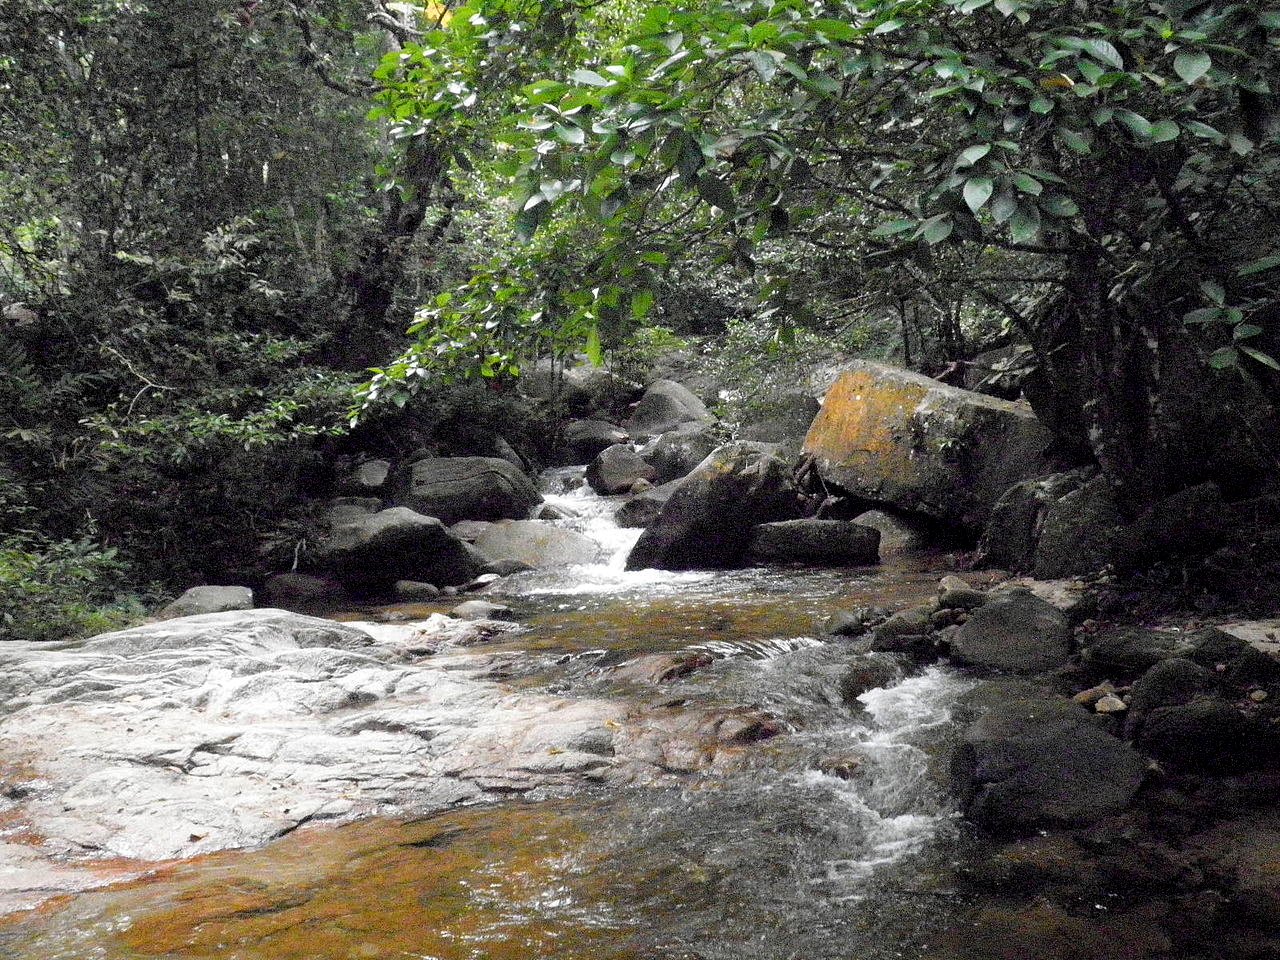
[832, 839]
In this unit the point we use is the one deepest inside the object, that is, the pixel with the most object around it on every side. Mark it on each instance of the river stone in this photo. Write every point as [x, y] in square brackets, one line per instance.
[468, 488]
[616, 469]
[665, 406]
[783, 420]
[198, 600]
[707, 521]
[368, 479]
[1013, 632]
[676, 452]
[411, 591]
[818, 542]
[397, 544]
[536, 543]
[347, 509]
[482, 610]
[1206, 735]
[290, 590]
[1033, 759]
[1168, 683]
[585, 439]
[899, 534]
[643, 509]
[903, 439]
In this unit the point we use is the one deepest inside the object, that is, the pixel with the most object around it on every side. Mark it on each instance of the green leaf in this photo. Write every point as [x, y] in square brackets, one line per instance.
[717, 193]
[1041, 105]
[1106, 52]
[1004, 207]
[1214, 291]
[1059, 206]
[971, 155]
[764, 64]
[1263, 358]
[936, 229]
[1138, 124]
[1224, 358]
[570, 134]
[593, 347]
[590, 78]
[641, 303]
[977, 191]
[1191, 65]
[1074, 141]
[1028, 184]
[1164, 131]
[893, 228]
[1259, 266]
[1025, 225]
[1203, 315]
[1244, 331]
[888, 27]
[1204, 131]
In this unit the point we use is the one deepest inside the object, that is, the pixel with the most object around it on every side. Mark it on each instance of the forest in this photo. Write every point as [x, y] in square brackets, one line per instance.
[944, 334]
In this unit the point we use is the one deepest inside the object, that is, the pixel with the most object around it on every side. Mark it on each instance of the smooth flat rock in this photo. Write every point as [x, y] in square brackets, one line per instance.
[911, 442]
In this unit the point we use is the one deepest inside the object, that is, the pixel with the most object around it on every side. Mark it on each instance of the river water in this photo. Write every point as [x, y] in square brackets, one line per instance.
[835, 838]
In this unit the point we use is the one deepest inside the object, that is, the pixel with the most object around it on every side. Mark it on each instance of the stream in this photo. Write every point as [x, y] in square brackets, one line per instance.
[829, 835]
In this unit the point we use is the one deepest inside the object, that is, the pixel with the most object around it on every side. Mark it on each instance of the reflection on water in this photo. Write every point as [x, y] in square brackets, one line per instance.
[830, 841]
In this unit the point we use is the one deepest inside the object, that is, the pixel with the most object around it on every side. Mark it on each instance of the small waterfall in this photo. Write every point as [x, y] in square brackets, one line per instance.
[593, 516]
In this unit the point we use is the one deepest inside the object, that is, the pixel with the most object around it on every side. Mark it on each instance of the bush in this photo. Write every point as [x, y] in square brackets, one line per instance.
[61, 590]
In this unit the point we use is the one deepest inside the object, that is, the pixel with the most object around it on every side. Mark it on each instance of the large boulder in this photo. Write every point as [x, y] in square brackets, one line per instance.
[585, 439]
[903, 439]
[616, 469]
[784, 420]
[468, 488]
[397, 544]
[835, 543]
[899, 533]
[200, 600]
[665, 406]
[536, 543]
[708, 520]
[1032, 759]
[1013, 632]
[674, 453]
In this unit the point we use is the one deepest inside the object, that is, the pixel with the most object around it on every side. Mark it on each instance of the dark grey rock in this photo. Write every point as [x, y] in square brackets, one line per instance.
[675, 453]
[643, 508]
[899, 534]
[585, 439]
[1033, 760]
[368, 479]
[507, 566]
[290, 590]
[1206, 735]
[346, 509]
[616, 468]
[415, 590]
[1013, 632]
[468, 488]
[707, 521]
[785, 420]
[535, 543]
[665, 406]
[397, 544]
[825, 542]
[1168, 683]
[481, 610]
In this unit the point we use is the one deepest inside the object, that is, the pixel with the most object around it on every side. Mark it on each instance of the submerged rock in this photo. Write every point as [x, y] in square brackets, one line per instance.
[468, 488]
[708, 520]
[825, 542]
[901, 438]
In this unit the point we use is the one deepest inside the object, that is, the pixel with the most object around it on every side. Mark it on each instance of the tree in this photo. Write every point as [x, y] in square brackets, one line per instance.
[1102, 178]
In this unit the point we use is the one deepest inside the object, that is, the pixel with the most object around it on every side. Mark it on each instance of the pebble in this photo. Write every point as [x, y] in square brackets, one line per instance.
[1258, 696]
[1090, 697]
[1110, 704]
